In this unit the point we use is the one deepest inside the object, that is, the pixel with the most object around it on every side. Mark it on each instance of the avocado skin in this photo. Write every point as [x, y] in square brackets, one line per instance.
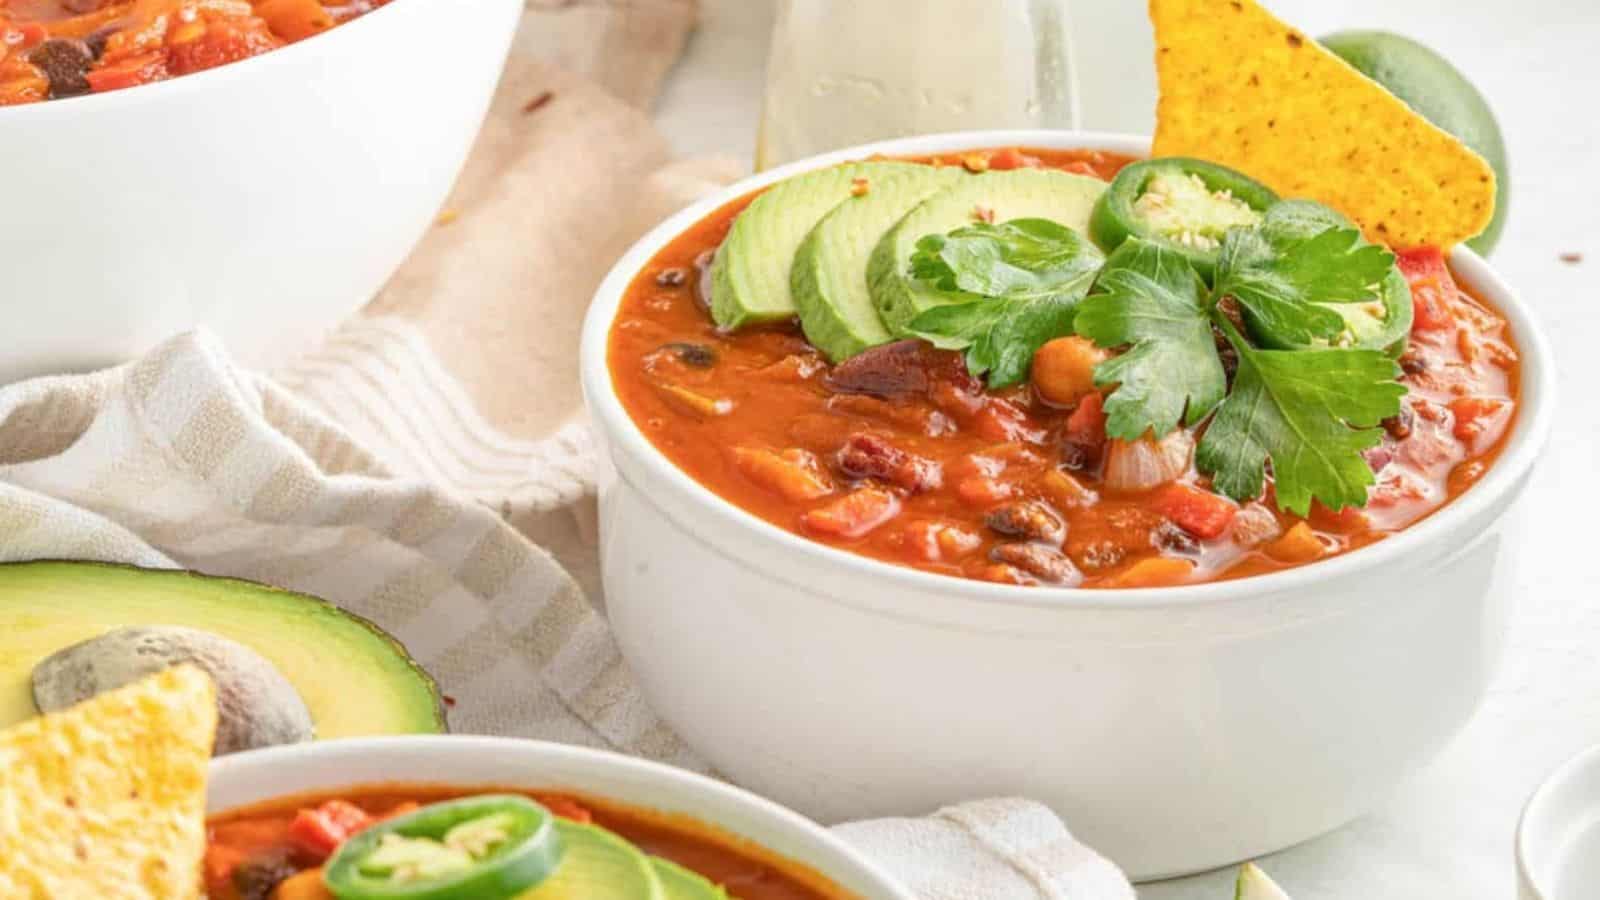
[425, 712]
[1437, 91]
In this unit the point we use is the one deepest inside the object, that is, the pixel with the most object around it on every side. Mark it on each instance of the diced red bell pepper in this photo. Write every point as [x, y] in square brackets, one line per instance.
[568, 808]
[318, 832]
[1199, 512]
[1087, 424]
[854, 514]
[1477, 418]
[1433, 289]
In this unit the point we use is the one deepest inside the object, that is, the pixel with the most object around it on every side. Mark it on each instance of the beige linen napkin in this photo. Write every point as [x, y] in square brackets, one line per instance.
[428, 466]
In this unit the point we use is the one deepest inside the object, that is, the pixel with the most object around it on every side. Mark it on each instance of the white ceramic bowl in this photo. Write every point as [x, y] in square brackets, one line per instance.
[458, 761]
[1176, 729]
[266, 199]
[1558, 839]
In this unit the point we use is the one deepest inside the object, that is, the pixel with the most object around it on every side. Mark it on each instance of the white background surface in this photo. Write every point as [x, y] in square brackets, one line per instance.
[1446, 835]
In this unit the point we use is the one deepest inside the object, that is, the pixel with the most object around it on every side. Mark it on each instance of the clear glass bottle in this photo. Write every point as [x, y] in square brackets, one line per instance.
[845, 72]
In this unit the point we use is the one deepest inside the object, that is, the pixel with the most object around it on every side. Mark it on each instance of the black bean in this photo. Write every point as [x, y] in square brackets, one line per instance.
[257, 877]
[1028, 519]
[65, 62]
[1171, 536]
[1399, 426]
[673, 277]
[697, 355]
[1044, 563]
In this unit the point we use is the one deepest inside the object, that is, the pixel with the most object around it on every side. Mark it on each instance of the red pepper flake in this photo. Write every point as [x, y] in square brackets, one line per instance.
[1571, 257]
[983, 214]
[537, 103]
[449, 701]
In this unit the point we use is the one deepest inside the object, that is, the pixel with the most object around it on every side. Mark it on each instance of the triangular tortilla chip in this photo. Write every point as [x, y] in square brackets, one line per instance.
[1241, 88]
[108, 799]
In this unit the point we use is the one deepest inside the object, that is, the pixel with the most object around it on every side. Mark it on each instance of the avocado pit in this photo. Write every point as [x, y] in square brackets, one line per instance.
[256, 704]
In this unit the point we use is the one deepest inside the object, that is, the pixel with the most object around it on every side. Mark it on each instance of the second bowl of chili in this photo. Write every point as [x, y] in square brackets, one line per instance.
[852, 677]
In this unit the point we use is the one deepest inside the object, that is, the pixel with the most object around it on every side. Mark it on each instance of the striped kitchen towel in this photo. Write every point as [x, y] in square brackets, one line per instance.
[181, 459]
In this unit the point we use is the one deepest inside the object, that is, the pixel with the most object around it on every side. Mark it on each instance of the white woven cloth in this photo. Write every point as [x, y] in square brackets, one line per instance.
[363, 476]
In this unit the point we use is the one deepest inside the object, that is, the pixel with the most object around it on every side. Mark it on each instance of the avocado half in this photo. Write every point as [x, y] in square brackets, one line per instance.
[354, 678]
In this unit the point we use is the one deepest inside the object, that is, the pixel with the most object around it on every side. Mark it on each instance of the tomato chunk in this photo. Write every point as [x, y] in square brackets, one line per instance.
[1199, 512]
[854, 514]
[318, 832]
[1433, 289]
[1478, 419]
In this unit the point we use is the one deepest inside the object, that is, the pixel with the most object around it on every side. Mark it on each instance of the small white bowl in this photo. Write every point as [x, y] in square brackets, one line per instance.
[1558, 839]
[266, 199]
[1175, 729]
[242, 779]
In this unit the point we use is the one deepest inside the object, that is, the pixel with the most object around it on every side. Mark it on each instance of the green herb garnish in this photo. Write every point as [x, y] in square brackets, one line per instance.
[1149, 297]
[1302, 257]
[1012, 286]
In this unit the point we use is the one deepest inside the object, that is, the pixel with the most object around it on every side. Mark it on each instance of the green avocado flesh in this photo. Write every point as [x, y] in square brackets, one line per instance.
[750, 278]
[678, 883]
[1253, 884]
[829, 278]
[1437, 91]
[1062, 197]
[354, 679]
[598, 865]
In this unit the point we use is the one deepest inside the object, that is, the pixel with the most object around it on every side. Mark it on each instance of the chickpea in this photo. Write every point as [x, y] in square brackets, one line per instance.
[1063, 369]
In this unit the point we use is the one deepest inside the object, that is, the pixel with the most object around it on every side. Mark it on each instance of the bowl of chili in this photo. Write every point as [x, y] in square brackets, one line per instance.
[312, 820]
[209, 163]
[1232, 698]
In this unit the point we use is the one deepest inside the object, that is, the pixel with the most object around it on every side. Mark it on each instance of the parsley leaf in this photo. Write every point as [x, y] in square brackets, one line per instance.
[1311, 412]
[1150, 297]
[1302, 257]
[1013, 287]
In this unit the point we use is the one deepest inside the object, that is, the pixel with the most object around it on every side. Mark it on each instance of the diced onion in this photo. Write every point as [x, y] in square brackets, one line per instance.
[1146, 463]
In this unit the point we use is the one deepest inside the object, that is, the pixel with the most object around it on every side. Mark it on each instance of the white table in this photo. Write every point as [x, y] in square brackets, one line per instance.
[1447, 834]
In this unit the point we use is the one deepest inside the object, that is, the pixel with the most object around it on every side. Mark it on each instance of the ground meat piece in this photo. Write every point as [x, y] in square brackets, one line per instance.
[1044, 563]
[1254, 524]
[1171, 537]
[1413, 362]
[256, 878]
[1100, 555]
[1378, 457]
[66, 63]
[1029, 519]
[865, 455]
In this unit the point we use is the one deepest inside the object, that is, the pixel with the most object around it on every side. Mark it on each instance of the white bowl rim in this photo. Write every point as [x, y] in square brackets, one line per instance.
[155, 92]
[1531, 427]
[244, 765]
[1534, 810]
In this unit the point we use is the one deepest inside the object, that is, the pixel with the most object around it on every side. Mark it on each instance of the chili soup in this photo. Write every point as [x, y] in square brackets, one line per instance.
[955, 370]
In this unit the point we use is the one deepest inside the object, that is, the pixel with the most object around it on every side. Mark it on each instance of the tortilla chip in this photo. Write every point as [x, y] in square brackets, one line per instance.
[1241, 88]
[108, 799]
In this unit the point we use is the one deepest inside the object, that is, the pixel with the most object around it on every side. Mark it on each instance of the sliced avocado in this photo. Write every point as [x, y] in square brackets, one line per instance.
[750, 277]
[353, 678]
[1061, 197]
[829, 278]
[598, 865]
[679, 883]
[1253, 884]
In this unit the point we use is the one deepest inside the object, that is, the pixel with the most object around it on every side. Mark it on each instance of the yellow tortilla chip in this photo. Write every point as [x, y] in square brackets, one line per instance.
[1242, 88]
[108, 799]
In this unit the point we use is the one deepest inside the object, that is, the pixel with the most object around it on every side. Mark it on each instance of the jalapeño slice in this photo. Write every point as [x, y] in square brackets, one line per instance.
[490, 847]
[1185, 205]
[1380, 322]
